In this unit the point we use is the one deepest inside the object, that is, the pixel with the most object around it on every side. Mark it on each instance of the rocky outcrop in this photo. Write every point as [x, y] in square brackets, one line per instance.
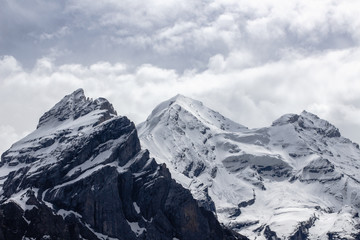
[82, 175]
[302, 232]
[40, 222]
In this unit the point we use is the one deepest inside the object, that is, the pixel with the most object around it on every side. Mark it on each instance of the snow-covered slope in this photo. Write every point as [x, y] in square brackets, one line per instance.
[296, 179]
[83, 175]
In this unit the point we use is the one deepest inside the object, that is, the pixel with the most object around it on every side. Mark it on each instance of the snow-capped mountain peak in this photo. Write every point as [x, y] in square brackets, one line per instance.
[277, 182]
[189, 113]
[309, 121]
[73, 106]
[83, 175]
[75, 116]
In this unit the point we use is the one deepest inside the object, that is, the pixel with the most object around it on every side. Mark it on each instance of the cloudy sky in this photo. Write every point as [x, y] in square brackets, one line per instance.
[253, 61]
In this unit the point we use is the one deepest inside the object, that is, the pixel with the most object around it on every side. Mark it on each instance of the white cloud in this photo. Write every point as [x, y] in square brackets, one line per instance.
[149, 74]
[216, 63]
[107, 68]
[8, 136]
[44, 66]
[8, 66]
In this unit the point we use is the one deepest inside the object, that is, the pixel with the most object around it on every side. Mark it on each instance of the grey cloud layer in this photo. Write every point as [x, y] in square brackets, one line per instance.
[173, 34]
[252, 61]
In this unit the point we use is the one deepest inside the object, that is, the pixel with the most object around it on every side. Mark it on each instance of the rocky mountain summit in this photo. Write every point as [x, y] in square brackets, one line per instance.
[296, 179]
[82, 174]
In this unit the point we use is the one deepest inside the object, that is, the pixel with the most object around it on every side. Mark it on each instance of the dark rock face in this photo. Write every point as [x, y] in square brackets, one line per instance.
[12, 224]
[321, 170]
[268, 166]
[247, 203]
[93, 181]
[39, 222]
[269, 234]
[302, 232]
[207, 202]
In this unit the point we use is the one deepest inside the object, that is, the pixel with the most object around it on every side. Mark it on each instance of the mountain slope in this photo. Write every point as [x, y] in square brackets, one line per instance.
[296, 179]
[83, 175]
[179, 132]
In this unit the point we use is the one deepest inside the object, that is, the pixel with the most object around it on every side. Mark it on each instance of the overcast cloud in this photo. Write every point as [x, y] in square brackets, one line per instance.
[250, 60]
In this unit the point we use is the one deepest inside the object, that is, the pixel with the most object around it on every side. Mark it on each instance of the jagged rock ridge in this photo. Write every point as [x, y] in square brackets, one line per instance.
[83, 175]
[297, 179]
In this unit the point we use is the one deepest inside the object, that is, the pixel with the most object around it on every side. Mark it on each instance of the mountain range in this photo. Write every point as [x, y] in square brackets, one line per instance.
[187, 172]
[296, 179]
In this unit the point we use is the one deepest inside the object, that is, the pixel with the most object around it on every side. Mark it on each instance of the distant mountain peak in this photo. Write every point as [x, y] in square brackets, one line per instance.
[78, 93]
[177, 99]
[73, 106]
[184, 109]
[309, 121]
[286, 119]
[310, 116]
[180, 97]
